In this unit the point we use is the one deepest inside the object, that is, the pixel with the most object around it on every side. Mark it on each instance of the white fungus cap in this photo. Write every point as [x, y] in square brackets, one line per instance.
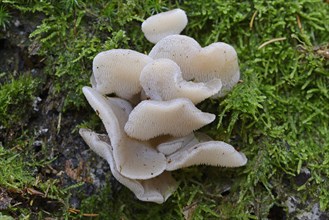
[164, 24]
[177, 117]
[218, 60]
[197, 149]
[214, 153]
[156, 190]
[162, 80]
[118, 71]
[134, 159]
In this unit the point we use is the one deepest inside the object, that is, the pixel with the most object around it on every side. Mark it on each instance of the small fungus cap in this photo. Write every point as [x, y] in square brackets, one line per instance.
[164, 24]
[118, 71]
[213, 153]
[162, 80]
[218, 60]
[177, 117]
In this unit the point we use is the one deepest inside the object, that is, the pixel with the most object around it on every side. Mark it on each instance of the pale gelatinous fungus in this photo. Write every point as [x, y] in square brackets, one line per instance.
[197, 149]
[218, 60]
[162, 80]
[164, 24]
[146, 141]
[177, 117]
[213, 153]
[118, 71]
[156, 189]
[133, 158]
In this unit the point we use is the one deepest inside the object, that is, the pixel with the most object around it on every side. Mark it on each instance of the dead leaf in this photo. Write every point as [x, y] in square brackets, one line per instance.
[189, 210]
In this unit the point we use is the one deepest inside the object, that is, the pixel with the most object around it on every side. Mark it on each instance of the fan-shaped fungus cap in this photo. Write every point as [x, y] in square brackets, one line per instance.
[218, 60]
[118, 71]
[162, 80]
[214, 153]
[164, 24]
[156, 190]
[177, 117]
[134, 159]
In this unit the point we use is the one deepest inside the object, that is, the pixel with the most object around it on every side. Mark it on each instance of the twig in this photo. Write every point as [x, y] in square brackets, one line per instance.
[251, 23]
[299, 23]
[271, 41]
[59, 122]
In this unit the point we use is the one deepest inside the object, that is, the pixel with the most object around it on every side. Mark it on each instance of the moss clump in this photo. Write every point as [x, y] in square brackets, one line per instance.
[4, 17]
[23, 194]
[16, 95]
[73, 32]
[277, 115]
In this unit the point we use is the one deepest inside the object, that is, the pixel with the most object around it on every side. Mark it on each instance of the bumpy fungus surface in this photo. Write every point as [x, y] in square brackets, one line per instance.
[145, 141]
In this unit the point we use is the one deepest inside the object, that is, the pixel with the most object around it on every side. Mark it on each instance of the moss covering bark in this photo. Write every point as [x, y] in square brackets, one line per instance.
[278, 114]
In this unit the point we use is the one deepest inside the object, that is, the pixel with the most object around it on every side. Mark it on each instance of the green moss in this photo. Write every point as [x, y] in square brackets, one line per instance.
[4, 17]
[16, 95]
[73, 32]
[30, 196]
[277, 115]
[14, 177]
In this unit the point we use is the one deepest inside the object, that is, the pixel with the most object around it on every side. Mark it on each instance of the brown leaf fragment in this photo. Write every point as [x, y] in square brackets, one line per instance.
[74, 173]
[78, 174]
[189, 210]
[32, 191]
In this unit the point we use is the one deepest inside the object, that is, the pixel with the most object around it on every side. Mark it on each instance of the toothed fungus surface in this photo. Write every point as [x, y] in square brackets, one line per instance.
[151, 124]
